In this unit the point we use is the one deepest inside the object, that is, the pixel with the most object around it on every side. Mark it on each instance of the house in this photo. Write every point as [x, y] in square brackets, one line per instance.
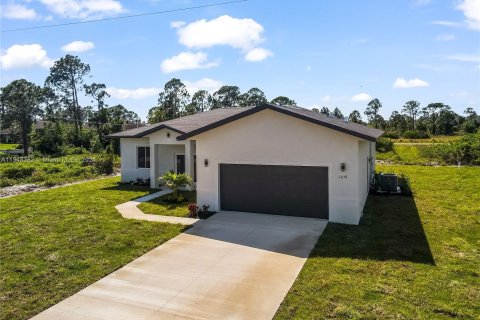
[264, 159]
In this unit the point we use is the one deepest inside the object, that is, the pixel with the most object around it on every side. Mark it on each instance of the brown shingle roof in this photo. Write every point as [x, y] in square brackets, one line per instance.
[190, 126]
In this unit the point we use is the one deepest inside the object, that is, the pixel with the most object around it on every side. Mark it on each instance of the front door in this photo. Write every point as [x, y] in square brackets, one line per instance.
[180, 163]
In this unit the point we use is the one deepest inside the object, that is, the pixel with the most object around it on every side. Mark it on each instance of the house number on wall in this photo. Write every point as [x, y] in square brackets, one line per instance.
[342, 177]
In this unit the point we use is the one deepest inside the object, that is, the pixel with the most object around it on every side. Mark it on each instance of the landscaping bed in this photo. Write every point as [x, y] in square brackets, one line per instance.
[162, 205]
[55, 242]
[410, 257]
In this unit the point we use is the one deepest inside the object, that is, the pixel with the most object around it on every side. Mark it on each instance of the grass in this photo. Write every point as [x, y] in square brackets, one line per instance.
[45, 171]
[55, 242]
[404, 154]
[434, 139]
[160, 207]
[8, 146]
[410, 258]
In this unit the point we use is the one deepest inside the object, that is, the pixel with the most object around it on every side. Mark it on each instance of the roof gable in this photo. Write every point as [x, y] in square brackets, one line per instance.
[353, 129]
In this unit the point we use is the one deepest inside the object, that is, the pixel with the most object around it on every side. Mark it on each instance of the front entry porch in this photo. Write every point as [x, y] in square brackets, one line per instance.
[179, 157]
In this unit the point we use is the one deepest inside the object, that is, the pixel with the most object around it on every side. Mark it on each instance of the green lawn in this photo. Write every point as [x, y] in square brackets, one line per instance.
[404, 154]
[8, 146]
[410, 258]
[54, 243]
[159, 206]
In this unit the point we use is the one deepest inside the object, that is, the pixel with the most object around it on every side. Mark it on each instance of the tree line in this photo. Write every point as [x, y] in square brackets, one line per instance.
[412, 119]
[71, 125]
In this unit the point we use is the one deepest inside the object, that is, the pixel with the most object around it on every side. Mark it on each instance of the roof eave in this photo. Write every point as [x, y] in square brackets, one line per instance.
[144, 133]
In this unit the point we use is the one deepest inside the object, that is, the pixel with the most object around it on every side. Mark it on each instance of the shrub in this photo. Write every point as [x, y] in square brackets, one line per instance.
[391, 135]
[73, 150]
[384, 145]
[193, 210]
[466, 150]
[5, 182]
[18, 172]
[104, 164]
[410, 134]
[174, 181]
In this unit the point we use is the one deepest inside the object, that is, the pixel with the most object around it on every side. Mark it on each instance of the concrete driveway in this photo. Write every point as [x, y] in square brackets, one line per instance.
[231, 266]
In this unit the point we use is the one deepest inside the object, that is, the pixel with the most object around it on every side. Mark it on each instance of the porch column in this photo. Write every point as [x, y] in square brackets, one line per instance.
[189, 162]
[153, 158]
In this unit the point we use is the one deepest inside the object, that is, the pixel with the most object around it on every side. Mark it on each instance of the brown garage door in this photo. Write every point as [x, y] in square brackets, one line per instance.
[284, 190]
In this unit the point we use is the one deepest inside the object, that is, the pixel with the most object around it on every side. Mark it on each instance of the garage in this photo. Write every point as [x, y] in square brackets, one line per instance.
[300, 191]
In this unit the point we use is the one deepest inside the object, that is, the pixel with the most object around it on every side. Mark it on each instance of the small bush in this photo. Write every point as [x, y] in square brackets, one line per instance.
[5, 182]
[18, 172]
[410, 134]
[391, 135]
[384, 145]
[104, 164]
[73, 150]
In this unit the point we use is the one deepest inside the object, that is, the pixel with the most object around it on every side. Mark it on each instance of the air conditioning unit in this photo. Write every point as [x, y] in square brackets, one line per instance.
[388, 182]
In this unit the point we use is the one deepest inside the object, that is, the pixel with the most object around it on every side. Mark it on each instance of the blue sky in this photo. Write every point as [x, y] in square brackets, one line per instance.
[320, 53]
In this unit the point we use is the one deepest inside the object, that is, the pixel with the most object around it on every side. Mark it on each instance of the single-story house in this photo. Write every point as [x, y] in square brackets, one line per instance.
[264, 159]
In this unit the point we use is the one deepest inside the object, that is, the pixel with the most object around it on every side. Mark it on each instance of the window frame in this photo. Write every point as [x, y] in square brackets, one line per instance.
[144, 157]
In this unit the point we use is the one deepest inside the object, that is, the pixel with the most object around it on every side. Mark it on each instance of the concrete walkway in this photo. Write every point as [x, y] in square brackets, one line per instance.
[129, 210]
[231, 266]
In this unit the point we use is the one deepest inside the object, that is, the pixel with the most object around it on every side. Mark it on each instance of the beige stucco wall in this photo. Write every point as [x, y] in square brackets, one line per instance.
[128, 157]
[271, 138]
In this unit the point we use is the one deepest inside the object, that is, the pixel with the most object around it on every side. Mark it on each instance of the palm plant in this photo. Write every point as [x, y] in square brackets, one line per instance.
[175, 180]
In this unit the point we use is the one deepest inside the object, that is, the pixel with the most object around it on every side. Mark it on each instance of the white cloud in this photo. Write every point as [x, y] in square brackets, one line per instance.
[361, 97]
[445, 37]
[244, 34]
[137, 94]
[177, 24]
[452, 24]
[258, 54]
[225, 30]
[465, 57]
[25, 56]
[309, 68]
[208, 84]
[18, 12]
[78, 46]
[82, 9]
[401, 83]
[471, 10]
[186, 61]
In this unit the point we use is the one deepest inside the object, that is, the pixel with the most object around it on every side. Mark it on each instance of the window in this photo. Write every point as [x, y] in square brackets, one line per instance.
[143, 157]
[180, 164]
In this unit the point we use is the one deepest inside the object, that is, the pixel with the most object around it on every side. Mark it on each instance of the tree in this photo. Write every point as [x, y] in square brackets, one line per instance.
[337, 113]
[21, 101]
[412, 108]
[226, 97]
[397, 122]
[325, 111]
[171, 102]
[447, 121]
[430, 113]
[472, 121]
[99, 118]
[201, 101]
[65, 78]
[283, 101]
[355, 117]
[253, 97]
[372, 112]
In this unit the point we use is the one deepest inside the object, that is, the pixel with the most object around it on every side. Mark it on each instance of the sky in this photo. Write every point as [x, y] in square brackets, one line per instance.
[334, 53]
